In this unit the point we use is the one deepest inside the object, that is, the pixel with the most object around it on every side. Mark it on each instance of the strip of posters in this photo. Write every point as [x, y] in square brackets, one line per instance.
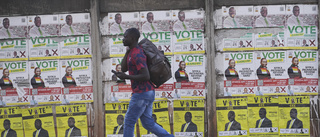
[232, 117]
[76, 47]
[75, 24]
[160, 116]
[38, 121]
[188, 118]
[11, 117]
[120, 22]
[72, 120]
[263, 116]
[14, 83]
[45, 87]
[270, 41]
[237, 17]
[235, 44]
[269, 16]
[294, 116]
[14, 50]
[13, 27]
[43, 48]
[76, 79]
[43, 26]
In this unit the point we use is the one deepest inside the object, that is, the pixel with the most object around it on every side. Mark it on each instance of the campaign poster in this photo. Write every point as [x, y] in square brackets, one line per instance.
[263, 116]
[189, 75]
[270, 41]
[269, 16]
[13, 27]
[155, 21]
[162, 40]
[270, 70]
[166, 89]
[232, 117]
[14, 50]
[43, 48]
[188, 118]
[237, 44]
[302, 15]
[188, 42]
[116, 47]
[237, 17]
[76, 78]
[45, 82]
[120, 22]
[11, 117]
[186, 20]
[38, 121]
[76, 47]
[43, 26]
[239, 74]
[72, 120]
[14, 83]
[114, 116]
[160, 116]
[294, 116]
[75, 24]
[302, 68]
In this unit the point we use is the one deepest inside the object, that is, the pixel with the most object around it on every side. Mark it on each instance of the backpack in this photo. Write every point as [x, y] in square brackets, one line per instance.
[158, 64]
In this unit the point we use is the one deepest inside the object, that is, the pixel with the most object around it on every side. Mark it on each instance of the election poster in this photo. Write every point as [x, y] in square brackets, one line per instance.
[38, 121]
[162, 40]
[294, 116]
[232, 117]
[155, 21]
[75, 24]
[187, 20]
[160, 116]
[270, 41]
[269, 16]
[263, 116]
[43, 48]
[13, 27]
[11, 117]
[72, 120]
[188, 42]
[14, 83]
[237, 17]
[45, 87]
[237, 44]
[302, 15]
[166, 89]
[76, 78]
[120, 22]
[302, 68]
[239, 74]
[43, 26]
[116, 48]
[188, 118]
[14, 50]
[76, 47]
[189, 75]
[272, 77]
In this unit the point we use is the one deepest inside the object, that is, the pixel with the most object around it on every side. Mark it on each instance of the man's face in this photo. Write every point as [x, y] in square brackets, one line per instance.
[264, 12]
[264, 62]
[232, 64]
[182, 65]
[51, 97]
[6, 73]
[304, 42]
[69, 20]
[187, 117]
[15, 53]
[241, 43]
[69, 71]
[230, 116]
[47, 52]
[296, 11]
[120, 120]
[150, 17]
[191, 46]
[118, 68]
[163, 94]
[232, 12]
[6, 125]
[277, 89]
[118, 18]
[245, 90]
[262, 113]
[295, 61]
[6, 23]
[308, 88]
[83, 96]
[38, 72]
[71, 122]
[273, 42]
[293, 114]
[127, 39]
[37, 21]
[78, 50]
[181, 16]
[37, 124]
[194, 92]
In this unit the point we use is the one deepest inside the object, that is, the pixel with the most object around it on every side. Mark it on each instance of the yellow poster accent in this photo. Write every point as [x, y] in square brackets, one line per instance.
[11, 121]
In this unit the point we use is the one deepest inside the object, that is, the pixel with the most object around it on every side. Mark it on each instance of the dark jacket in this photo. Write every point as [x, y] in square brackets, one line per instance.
[192, 127]
[35, 84]
[180, 78]
[292, 74]
[265, 123]
[68, 84]
[120, 131]
[296, 124]
[75, 132]
[230, 76]
[43, 133]
[261, 75]
[235, 126]
[11, 133]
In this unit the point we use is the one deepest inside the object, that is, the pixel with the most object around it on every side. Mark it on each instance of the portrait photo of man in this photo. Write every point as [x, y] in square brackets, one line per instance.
[36, 30]
[294, 122]
[119, 129]
[5, 82]
[73, 131]
[263, 122]
[294, 19]
[48, 53]
[180, 25]
[273, 43]
[262, 71]
[241, 45]
[231, 72]
[67, 28]
[232, 124]
[304, 43]
[262, 20]
[8, 132]
[15, 54]
[117, 27]
[231, 21]
[149, 26]
[293, 70]
[181, 74]
[189, 126]
[67, 80]
[40, 132]
[79, 52]
[5, 32]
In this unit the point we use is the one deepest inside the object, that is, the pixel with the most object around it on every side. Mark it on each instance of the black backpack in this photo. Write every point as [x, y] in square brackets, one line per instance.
[158, 64]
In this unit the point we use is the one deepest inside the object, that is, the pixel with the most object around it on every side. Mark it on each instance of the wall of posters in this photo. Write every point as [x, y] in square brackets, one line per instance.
[269, 16]
[43, 48]
[72, 120]
[43, 26]
[14, 50]
[237, 17]
[75, 24]
[38, 121]
[13, 27]
[11, 117]
[76, 47]
[120, 22]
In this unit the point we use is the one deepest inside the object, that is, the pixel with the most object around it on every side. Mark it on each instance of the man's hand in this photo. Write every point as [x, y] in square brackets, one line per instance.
[121, 75]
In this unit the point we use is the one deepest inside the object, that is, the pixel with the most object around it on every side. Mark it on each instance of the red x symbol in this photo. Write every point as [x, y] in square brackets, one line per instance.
[251, 90]
[200, 92]
[167, 48]
[199, 47]
[54, 52]
[57, 97]
[22, 53]
[169, 94]
[312, 42]
[25, 99]
[314, 89]
[281, 44]
[88, 96]
[249, 43]
[283, 89]
[86, 50]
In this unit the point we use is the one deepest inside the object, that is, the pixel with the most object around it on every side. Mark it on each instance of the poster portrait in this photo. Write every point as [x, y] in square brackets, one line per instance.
[13, 27]
[75, 24]
[43, 26]
[118, 23]
[237, 17]
[76, 47]
[14, 50]
[11, 117]
[269, 16]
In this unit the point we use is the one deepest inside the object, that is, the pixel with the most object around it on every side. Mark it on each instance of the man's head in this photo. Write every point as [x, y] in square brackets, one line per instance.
[83, 97]
[38, 124]
[277, 89]
[118, 67]
[69, 70]
[120, 119]
[296, 11]
[51, 97]
[232, 12]
[304, 42]
[191, 46]
[159, 48]
[131, 36]
[231, 115]
[163, 94]
[5, 72]
[195, 92]
[293, 113]
[6, 124]
[37, 21]
[37, 71]
[47, 52]
[188, 117]
[232, 63]
[295, 61]
[150, 17]
[182, 65]
[264, 11]
[78, 50]
[241, 43]
[308, 88]
[245, 90]
[181, 16]
[6, 23]
[264, 62]
[118, 18]
[273, 42]
[69, 20]
[71, 122]
[15, 53]
[262, 113]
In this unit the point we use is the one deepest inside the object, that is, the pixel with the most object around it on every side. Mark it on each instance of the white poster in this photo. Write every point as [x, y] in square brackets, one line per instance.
[75, 24]
[14, 50]
[186, 20]
[43, 26]
[116, 48]
[270, 41]
[13, 27]
[302, 15]
[269, 16]
[188, 42]
[237, 17]
[76, 47]
[235, 44]
[43, 48]
[120, 22]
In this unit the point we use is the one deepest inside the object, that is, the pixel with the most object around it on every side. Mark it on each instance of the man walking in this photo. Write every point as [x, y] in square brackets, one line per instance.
[143, 94]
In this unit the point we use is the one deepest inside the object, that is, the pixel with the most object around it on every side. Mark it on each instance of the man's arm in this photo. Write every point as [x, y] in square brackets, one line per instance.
[124, 67]
[142, 76]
